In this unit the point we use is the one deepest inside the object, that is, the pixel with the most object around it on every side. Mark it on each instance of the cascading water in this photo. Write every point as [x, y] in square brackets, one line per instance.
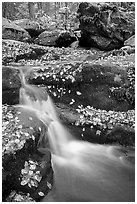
[82, 171]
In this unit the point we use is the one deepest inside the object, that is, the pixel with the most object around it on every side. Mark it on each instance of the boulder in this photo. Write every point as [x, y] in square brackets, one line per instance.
[105, 26]
[47, 38]
[12, 51]
[31, 26]
[101, 80]
[10, 86]
[25, 168]
[65, 39]
[75, 44]
[13, 32]
[10, 78]
[96, 80]
[130, 41]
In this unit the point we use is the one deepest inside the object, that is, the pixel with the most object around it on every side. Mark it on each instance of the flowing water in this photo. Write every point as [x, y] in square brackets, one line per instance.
[82, 171]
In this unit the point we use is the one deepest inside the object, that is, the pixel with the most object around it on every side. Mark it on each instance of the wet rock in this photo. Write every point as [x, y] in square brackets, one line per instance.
[105, 26]
[99, 71]
[13, 32]
[10, 86]
[122, 135]
[107, 126]
[94, 77]
[10, 78]
[10, 96]
[74, 77]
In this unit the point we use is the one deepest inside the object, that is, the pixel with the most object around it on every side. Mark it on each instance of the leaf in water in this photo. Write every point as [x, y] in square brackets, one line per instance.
[54, 76]
[98, 132]
[78, 93]
[34, 183]
[30, 172]
[41, 193]
[26, 134]
[17, 141]
[54, 94]
[49, 185]
[24, 171]
[72, 101]
[33, 137]
[30, 118]
[38, 177]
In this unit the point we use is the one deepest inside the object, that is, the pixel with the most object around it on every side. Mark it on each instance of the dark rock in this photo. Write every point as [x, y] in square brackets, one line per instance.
[10, 86]
[109, 70]
[10, 78]
[93, 79]
[13, 32]
[10, 96]
[104, 26]
[122, 135]
[100, 42]
[47, 38]
[55, 38]
[65, 39]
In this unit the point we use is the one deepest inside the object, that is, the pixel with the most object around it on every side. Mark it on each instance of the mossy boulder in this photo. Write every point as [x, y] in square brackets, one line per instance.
[105, 26]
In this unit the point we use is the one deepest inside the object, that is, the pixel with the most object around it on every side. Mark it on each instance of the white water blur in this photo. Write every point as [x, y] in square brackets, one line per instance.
[82, 171]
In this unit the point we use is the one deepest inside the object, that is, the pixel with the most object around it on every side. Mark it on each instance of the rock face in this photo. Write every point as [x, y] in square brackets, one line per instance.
[104, 26]
[13, 32]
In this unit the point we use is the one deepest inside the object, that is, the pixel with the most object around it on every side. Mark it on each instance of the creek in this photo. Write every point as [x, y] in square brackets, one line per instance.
[83, 171]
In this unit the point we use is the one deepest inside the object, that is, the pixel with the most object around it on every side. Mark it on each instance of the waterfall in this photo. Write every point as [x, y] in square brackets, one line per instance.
[82, 171]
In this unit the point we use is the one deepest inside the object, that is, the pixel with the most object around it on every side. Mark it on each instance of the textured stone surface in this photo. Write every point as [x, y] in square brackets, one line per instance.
[104, 26]
[13, 32]
[47, 38]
